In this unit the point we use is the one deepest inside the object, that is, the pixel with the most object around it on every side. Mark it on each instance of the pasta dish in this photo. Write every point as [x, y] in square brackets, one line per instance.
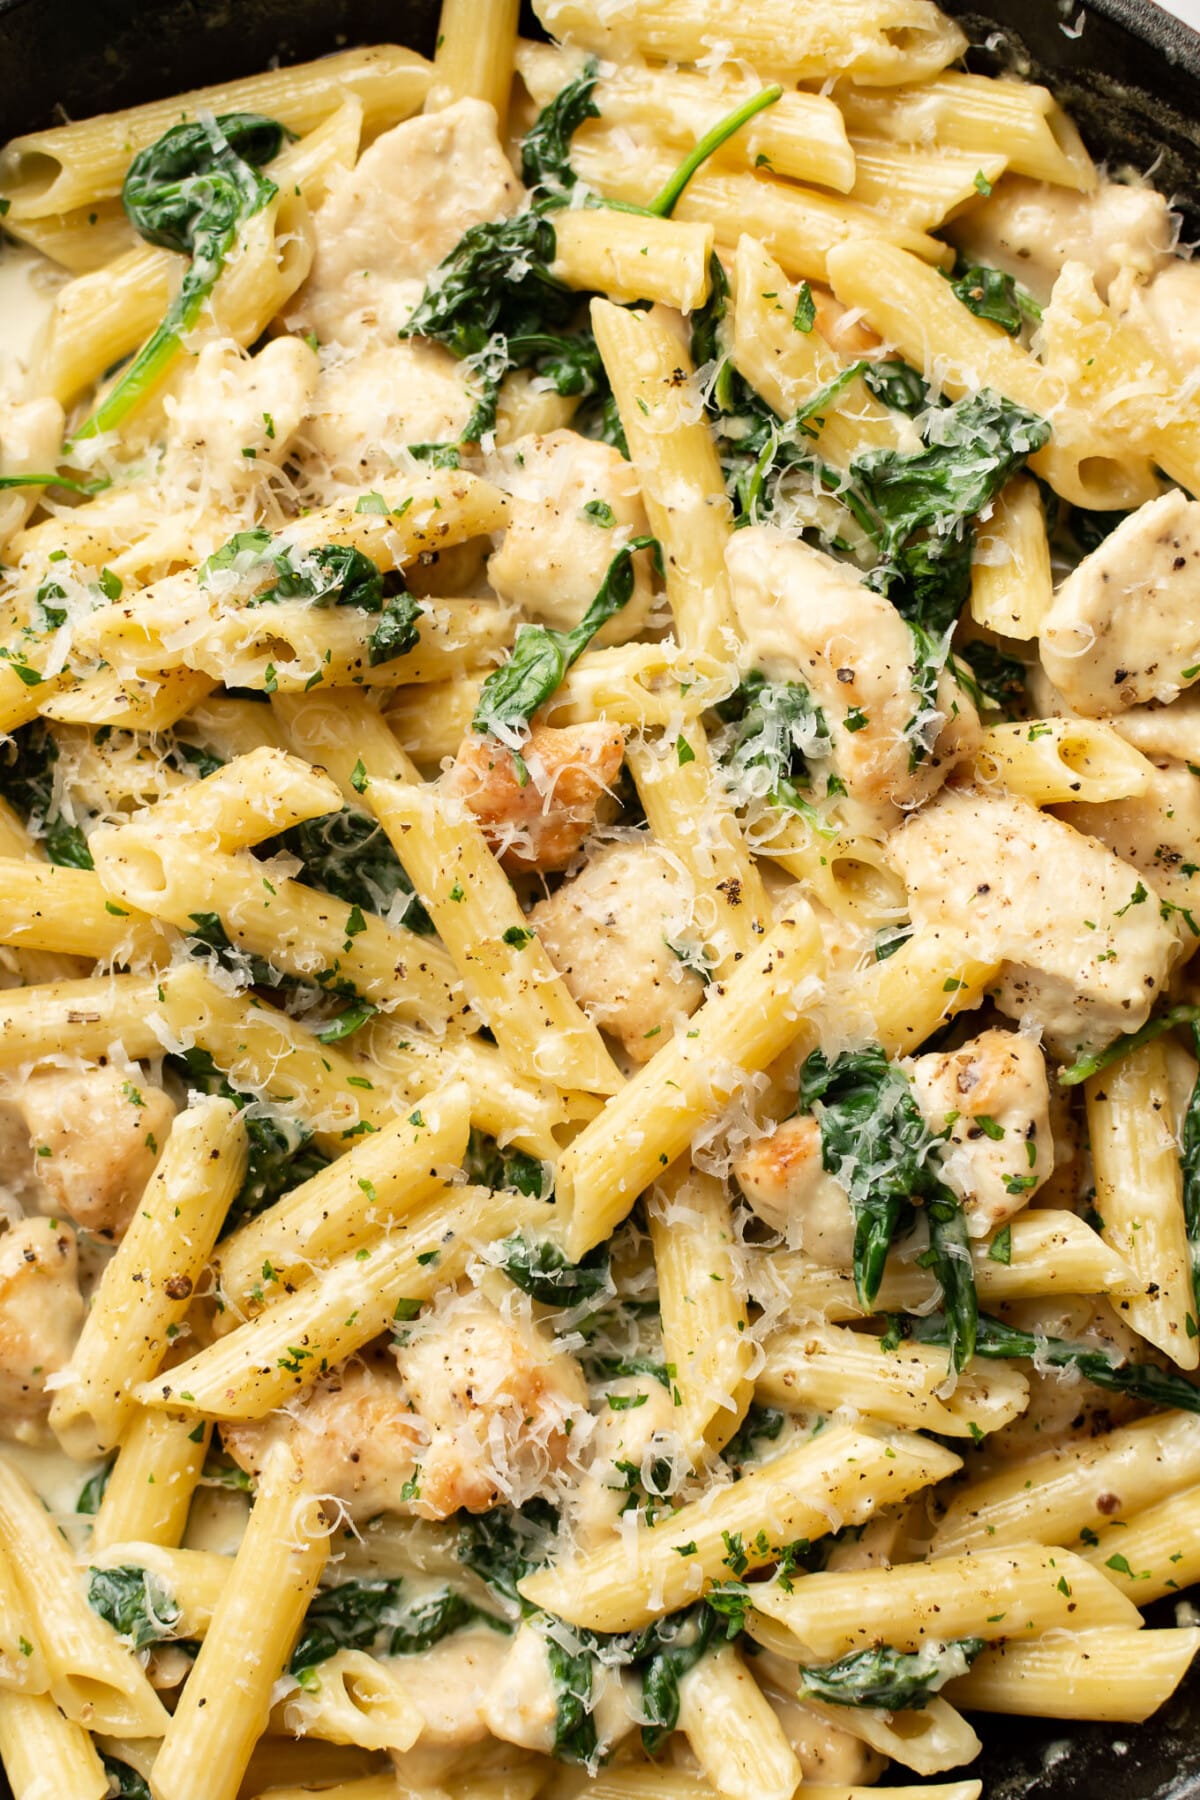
[599, 863]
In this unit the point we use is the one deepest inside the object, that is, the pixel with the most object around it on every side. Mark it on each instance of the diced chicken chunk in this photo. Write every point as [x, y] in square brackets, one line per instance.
[783, 1177]
[96, 1135]
[477, 1408]
[556, 551]
[522, 1706]
[1157, 832]
[354, 1437]
[994, 1095]
[449, 1684]
[498, 1399]
[31, 435]
[1124, 627]
[805, 617]
[367, 408]
[1167, 310]
[1083, 957]
[639, 1430]
[41, 1314]
[541, 824]
[609, 933]
[1166, 731]
[388, 221]
[236, 415]
[1030, 229]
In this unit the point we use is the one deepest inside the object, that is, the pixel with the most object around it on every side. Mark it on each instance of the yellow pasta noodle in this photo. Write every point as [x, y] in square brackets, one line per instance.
[620, 1587]
[227, 1698]
[147, 1287]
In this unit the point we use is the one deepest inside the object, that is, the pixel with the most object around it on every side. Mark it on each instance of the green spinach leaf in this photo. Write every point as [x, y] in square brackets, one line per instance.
[191, 191]
[124, 1783]
[540, 657]
[990, 294]
[136, 1603]
[377, 1617]
[1086, 1066]
[893, 1680]
[487, 1165]
[992, 678]
[546, 149]
[281, 1153]
[541, 1270]
[27, 782]
[347, 854]
[1142, 1381]
[778, 732]
[876, 1144]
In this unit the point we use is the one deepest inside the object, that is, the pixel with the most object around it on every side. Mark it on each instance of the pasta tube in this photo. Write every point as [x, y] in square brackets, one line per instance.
[993, 1594]
[354, 1200]
[147, 1288]
[293, 1341]
[743, 1025]
[851, 1472]
[227, 1697]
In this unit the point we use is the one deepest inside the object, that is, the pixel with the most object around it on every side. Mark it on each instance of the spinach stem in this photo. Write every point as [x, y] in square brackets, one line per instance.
[664, 202]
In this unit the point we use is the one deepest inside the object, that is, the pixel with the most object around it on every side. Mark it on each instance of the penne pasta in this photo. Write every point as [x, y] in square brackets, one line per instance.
[620, 1588]
[227, 1698]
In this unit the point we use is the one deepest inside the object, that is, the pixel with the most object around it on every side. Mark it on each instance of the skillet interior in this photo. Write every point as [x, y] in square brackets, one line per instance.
[1131, 78]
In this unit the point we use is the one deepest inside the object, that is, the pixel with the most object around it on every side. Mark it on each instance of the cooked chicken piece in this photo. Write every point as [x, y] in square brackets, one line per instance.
[1062, 1403]
[1166, 731]
[388, 221]
[1084, 950]
[1124, 627]
[1157, 832]
[806, 617]
[497, 1398]
[639, 1430]
[1166, 310]
[41, 1315]
[783, 1177]
[450, 1683]
[1030, 229]
[477, 1408]
[575, 502]
[999, 1078]
[541, 824]
[390, 395]
[523, 1701]
[236, 416]
[95, 1135]
[354, 1436]
[610, 934]
[995, 1097]
[31, 435]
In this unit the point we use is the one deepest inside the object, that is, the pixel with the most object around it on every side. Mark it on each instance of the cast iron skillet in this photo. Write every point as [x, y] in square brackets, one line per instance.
[1131, 78]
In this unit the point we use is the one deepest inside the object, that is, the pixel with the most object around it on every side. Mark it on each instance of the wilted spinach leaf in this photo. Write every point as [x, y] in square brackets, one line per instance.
[347, 854]
[191, 191]
[893, 1680]
[136, 1603]
[876, 1144]
[1141, 1381]
[27, 783]
[541, 1270]
[540, 657]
